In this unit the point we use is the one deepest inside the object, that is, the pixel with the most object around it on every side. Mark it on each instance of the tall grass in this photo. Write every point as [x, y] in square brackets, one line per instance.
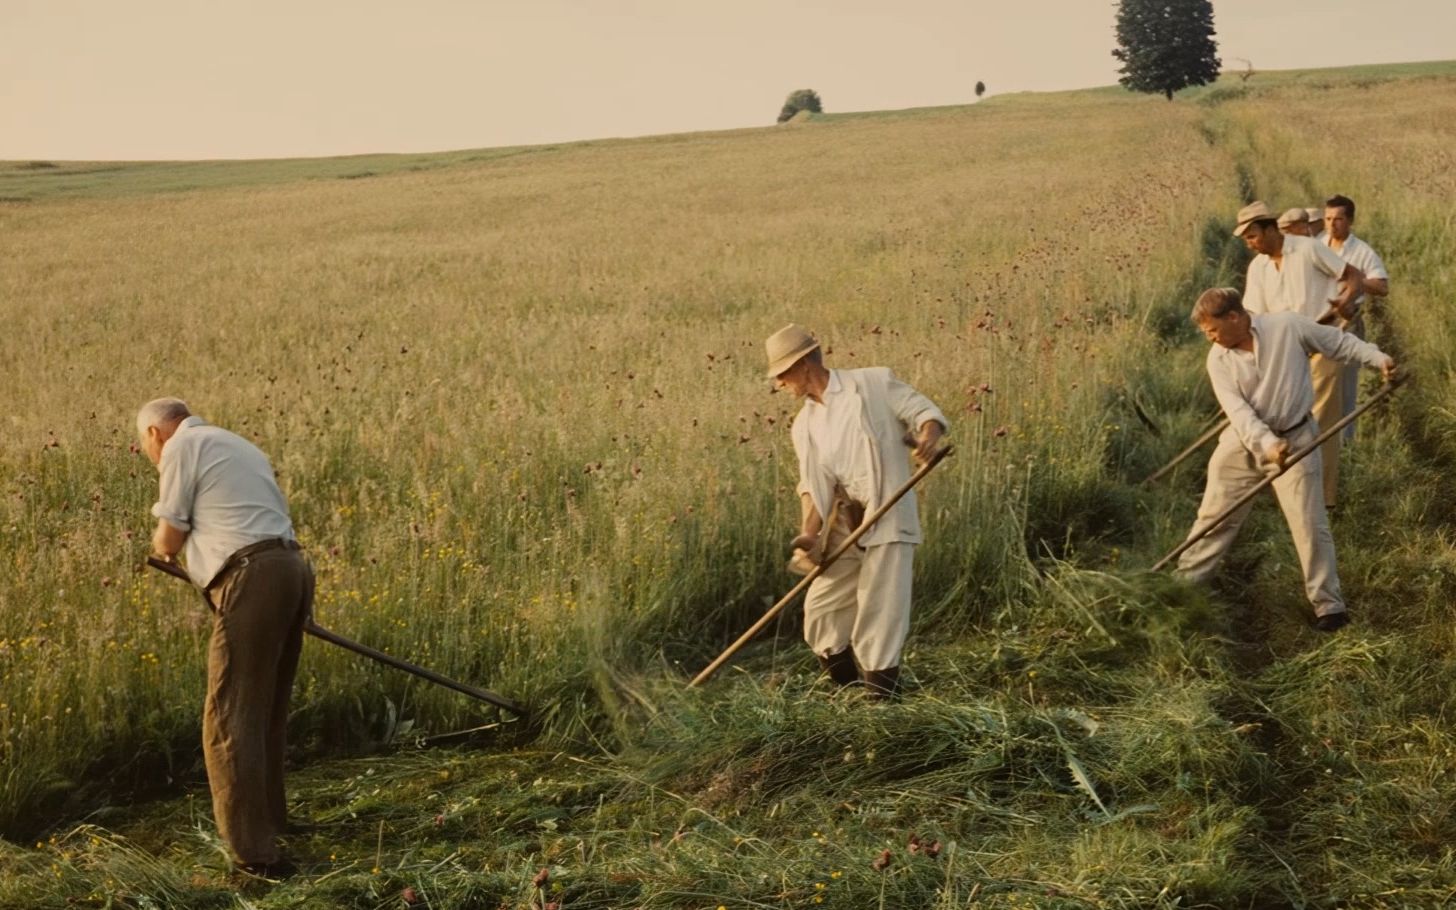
[517, 405]
[518, 408]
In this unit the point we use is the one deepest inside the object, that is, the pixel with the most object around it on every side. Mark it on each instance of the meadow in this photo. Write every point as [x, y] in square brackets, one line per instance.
[516, 400]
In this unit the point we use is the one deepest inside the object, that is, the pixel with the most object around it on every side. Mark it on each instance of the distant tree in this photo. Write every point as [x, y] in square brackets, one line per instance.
[980, 88]
[803, 99]
[1166, 45]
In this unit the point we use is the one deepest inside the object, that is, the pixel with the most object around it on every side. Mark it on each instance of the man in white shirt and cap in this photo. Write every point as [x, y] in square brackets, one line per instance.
[1316, 221]
[1301, 275]
[220, 505]
[850, 439]
[1259, 368]
[1294, 221]
[1339, 219]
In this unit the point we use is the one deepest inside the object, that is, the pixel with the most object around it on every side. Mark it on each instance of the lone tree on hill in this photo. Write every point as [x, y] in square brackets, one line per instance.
[803, 99]
[1166, 45]
[980, 88]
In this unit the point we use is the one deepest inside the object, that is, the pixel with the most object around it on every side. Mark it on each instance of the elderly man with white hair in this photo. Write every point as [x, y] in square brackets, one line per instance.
[220, 506]
[849, 438]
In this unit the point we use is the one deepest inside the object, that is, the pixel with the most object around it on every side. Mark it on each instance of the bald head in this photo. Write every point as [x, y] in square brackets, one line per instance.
[157, 421]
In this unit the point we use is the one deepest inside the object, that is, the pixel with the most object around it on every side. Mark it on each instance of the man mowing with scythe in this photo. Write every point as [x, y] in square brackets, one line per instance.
[1260, 371]
[220, 502]
[849, 441]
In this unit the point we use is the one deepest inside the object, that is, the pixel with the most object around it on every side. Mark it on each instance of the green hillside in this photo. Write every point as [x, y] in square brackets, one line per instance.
[515, 399]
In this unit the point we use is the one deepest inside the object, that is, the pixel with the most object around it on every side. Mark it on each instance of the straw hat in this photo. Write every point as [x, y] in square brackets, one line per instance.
[1293, 216]
[1316, 216]
[787, 347]
[1254, 211]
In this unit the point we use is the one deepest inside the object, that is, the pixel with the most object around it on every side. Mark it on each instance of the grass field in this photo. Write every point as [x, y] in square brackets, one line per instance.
[516, 400]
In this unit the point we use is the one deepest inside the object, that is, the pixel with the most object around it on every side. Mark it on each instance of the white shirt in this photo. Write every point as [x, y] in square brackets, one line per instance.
[837, 428]
[1305, 280]
[1269, 389]
[888, 408]
[1361, 255]
[220, 489]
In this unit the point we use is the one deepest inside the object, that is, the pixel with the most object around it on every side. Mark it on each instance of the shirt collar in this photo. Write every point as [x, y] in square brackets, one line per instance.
[189, 422]
[831, 388]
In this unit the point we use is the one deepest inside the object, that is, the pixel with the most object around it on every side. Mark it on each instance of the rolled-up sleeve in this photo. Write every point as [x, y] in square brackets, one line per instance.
[1375, 268]
[1339, 345]
[912, 407]
[1328, 260]
[176, 488]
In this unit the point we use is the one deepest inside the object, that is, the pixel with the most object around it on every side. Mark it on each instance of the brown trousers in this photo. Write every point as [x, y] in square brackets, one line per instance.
[257, 634]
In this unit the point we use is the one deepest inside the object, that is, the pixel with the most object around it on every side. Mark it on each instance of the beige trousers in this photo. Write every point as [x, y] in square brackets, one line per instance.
[1350, 377]
[1329, 406]
[1232, 471]
[257, 633]
[862, 600]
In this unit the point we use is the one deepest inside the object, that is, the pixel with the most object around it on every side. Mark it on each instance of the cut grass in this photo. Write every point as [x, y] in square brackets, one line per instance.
[579, 534]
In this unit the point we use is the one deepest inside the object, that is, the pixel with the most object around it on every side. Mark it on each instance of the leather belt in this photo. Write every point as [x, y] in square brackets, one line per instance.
[241, 555]
[1286, 432]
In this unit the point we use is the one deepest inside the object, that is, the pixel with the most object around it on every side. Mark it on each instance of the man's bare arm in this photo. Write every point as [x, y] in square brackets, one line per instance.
[167, 541]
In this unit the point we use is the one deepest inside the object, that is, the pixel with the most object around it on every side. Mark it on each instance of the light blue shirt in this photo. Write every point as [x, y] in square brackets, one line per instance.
[220, 489]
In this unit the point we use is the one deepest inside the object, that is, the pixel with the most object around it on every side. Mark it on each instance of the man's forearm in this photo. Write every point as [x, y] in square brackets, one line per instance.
[810, 521]
[166, 540]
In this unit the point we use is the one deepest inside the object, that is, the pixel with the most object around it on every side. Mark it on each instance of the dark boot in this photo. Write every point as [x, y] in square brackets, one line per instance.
[841, 667]
[882, 685]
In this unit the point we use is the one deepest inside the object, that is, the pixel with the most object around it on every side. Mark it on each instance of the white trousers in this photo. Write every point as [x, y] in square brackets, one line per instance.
[1232, 472]
[863, 601]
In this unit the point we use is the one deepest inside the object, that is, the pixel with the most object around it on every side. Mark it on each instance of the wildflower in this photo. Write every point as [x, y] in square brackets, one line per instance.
[836, 874]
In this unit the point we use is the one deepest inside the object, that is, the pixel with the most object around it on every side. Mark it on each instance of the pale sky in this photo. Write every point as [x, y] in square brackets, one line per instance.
[183, 79]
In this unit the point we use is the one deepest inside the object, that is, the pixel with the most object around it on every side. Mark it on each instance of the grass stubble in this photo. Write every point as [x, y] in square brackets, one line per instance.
[516, 405]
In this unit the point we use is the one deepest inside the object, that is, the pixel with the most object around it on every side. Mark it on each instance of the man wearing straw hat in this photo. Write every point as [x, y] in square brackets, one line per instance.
[1301, 275]
[1259, 368]
[220, 504]
[849, 438]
